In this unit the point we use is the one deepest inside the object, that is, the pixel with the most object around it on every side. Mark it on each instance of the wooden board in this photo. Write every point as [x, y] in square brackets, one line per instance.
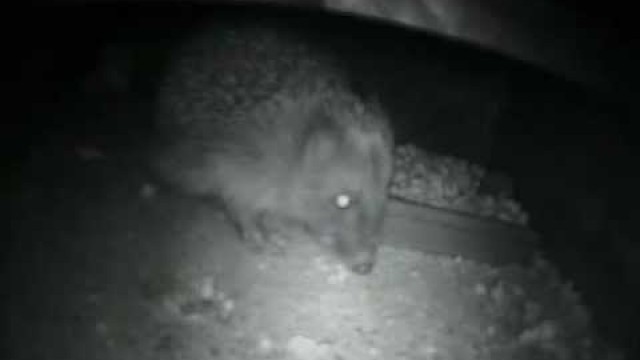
[440, 231]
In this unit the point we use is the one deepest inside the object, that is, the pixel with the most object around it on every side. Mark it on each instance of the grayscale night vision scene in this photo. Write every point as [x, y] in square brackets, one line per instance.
[320, 180]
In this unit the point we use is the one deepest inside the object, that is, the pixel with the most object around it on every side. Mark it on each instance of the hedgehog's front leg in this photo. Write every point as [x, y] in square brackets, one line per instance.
[257, 232]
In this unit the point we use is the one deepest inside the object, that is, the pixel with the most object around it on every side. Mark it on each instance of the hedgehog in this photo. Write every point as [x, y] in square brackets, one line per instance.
[269, 123]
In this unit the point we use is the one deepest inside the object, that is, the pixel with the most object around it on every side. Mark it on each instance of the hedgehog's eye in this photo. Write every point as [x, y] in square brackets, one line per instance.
[343, 201]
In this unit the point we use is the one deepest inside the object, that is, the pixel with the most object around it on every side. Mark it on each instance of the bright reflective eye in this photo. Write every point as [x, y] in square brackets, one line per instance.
[343, 201]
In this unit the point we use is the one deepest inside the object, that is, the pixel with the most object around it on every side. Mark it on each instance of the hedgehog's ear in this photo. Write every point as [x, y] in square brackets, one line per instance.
[321, 146]
[382, 159]
[321, 138]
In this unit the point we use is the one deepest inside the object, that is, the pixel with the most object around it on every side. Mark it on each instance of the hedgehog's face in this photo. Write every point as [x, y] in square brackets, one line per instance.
[347, 221]
[340, 196]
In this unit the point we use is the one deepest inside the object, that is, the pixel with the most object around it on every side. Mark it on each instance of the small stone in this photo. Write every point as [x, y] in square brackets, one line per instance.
[88, 153]
[480, 289]
[148, 191]
[300, 347]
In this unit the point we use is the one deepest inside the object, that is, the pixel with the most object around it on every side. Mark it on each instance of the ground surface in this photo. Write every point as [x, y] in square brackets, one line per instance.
[108, 265]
